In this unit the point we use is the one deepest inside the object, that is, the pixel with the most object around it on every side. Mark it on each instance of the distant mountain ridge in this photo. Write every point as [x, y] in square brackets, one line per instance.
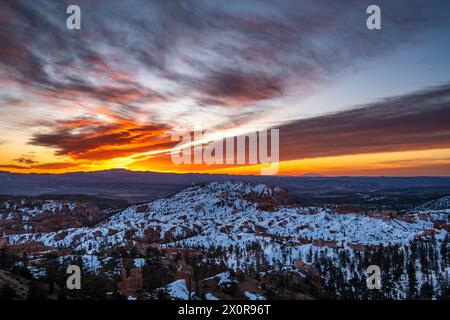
[139, 186]
[312, 175]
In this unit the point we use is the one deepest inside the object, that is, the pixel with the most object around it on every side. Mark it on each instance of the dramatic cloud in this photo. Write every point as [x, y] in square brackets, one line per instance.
[418, 121]
[236, 54]
[411, 122]
[93, 140]
[138, 69]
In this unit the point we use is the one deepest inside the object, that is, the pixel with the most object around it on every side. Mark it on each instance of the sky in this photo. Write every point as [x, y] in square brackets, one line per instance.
[346, 100]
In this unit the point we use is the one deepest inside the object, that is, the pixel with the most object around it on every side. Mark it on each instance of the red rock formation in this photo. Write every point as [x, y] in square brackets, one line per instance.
[441, 225]
[129, 234]
[97, 234]
[323, 243]
[60, 235]
[270, 202]
[406, 218]
[183, 271]
[308, 270]
[346, 209]
[260, 228]
[132, 285]
[304, 240]
[152, 234]
[3, 243]
[142, 208]
[168, 235]
[424, 217]
[362, 247]
[31, 215]
[181, 252]
[383, 214]
[142, 247]
[429, 232]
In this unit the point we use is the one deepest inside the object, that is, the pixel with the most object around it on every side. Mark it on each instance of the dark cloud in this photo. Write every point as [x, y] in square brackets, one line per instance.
[225, 54]
[55, 166]
[43, 166]
[38, 52]
[410, 122]
[25, 159]
[233, 87]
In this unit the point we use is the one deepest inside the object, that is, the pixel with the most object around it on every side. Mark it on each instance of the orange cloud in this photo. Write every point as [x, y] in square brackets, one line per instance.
[91, 139]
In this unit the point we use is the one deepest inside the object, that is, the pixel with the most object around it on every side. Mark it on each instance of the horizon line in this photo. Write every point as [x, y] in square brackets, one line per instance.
[305, 175]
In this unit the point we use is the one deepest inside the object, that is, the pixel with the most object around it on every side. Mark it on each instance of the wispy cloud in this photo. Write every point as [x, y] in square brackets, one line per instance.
[227, 55]
[25, 159]
[411, 122]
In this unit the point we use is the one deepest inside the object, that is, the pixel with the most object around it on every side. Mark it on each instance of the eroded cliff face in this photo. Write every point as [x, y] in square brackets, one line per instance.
[29, 215]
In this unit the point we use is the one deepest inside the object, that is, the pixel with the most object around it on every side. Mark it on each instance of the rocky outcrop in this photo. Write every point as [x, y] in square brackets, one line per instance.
[31, 215]
[3, 243]
[132, 285]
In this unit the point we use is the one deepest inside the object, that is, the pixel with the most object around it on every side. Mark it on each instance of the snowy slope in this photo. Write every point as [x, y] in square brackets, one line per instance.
[435, 205]
[219, 214]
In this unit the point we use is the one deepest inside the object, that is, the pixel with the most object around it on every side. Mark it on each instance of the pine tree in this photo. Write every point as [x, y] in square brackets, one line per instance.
[412, 281]
[426, 290]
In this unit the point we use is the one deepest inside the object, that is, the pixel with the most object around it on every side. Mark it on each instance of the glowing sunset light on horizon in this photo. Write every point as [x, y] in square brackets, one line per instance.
[346, 100]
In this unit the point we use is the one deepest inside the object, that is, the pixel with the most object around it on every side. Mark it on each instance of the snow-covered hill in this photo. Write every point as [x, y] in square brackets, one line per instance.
[218, 214]
[435, 205]
[244, 227]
